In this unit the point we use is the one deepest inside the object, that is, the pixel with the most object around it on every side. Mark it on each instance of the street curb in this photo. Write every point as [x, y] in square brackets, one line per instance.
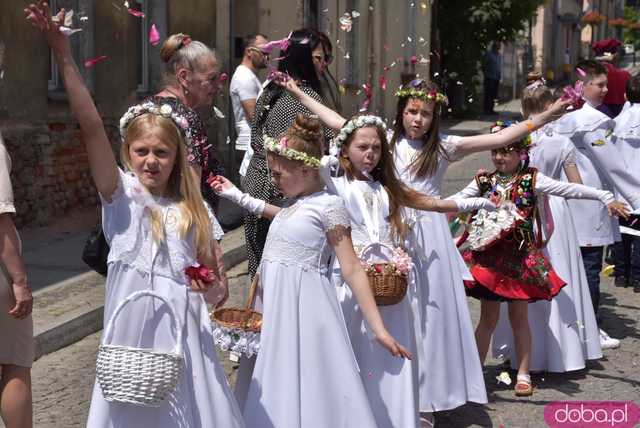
[69, 331]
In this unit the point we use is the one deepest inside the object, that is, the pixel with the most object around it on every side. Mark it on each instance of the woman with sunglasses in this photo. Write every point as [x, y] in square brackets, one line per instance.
[191, 81]
[275, 110]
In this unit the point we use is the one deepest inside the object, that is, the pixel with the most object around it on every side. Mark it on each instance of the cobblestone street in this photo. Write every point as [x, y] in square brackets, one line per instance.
[63, 380]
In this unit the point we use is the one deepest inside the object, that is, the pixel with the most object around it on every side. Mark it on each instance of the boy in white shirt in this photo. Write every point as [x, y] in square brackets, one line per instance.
[589, 128]
[244, 89]
[626, 136]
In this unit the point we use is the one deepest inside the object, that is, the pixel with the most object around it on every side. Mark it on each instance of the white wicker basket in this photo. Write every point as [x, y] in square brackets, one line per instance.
[144, 377]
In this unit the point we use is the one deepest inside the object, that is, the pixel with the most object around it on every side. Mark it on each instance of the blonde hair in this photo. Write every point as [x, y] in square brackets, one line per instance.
[535, 100]
[179, 51]
[181, 188]
[304, 135]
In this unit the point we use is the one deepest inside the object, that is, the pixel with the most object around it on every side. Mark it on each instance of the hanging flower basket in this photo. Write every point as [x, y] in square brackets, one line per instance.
[633, 25]
[593, 18]
[618, 22]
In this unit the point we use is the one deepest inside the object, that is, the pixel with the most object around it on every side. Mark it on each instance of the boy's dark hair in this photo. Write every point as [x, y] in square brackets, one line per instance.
[592, 68]
[633, 89]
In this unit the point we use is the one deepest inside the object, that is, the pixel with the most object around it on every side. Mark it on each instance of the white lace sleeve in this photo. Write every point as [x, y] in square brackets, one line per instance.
[335, 215]
[216, 229]
[450, 146]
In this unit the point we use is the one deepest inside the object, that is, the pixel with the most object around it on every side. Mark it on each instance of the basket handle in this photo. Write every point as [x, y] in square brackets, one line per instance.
[252, 291]
[373, 244]
[134, 296]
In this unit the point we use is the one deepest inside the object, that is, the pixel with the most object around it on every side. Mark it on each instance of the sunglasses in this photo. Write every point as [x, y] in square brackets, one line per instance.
[328, 59]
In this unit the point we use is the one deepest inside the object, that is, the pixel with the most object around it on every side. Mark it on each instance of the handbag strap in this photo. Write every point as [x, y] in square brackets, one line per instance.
[134, 296]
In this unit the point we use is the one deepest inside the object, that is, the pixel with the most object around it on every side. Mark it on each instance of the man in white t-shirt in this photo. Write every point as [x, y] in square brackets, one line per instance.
[244, 89]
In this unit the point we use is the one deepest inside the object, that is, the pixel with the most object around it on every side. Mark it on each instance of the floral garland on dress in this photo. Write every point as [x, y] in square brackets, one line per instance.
[282, 148]
[432, 95]
[351, 126]
[164, 110]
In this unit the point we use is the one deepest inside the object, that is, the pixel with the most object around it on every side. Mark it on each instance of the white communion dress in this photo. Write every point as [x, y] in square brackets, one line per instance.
[305, 373]
[202, 398]
[564, 332]
[449, 366]
[391, 383]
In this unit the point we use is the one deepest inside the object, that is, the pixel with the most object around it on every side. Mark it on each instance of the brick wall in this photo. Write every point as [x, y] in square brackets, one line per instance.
[50, 170]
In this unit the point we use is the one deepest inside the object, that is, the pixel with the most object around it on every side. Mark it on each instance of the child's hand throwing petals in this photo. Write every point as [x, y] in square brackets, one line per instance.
[40, 17]
[397, 350]
[220, 184]
[288, 83]
[618, 209]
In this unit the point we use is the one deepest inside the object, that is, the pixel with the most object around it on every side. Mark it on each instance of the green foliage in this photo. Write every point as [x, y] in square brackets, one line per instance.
[467, 28]
[631, 36]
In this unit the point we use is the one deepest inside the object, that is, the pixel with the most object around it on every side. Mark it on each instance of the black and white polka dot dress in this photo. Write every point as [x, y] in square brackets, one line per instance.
[271, 118]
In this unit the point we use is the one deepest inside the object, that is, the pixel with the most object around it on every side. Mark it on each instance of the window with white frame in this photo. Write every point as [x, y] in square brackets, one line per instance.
[82, 44]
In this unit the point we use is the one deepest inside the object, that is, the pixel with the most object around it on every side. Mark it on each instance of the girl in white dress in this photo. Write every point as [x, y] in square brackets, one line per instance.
[305, 373]
[564, 332]
[373, 197]
[157, 225]
[449, 370]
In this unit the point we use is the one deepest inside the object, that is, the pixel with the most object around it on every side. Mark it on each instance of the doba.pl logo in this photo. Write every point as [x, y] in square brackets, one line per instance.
[592, 414]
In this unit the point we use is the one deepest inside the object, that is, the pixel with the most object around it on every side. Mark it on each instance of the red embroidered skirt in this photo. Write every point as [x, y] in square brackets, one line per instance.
[507, 272]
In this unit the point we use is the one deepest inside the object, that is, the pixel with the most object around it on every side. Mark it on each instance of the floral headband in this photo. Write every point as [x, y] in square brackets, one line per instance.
[164, 110]
[281, 148]
[432, 95]
[535, 85]
[352, 125]
[502, 124]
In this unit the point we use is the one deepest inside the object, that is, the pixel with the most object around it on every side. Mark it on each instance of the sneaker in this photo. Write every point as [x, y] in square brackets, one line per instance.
[621, 281]
[607, 342]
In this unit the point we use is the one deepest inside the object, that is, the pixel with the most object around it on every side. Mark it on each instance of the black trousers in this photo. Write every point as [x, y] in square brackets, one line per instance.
[490, 94]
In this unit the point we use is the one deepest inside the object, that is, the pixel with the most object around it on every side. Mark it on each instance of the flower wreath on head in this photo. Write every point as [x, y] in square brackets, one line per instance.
[432, 95]
[164, 110]
[350, 127]
[502, 124]
[281, 147]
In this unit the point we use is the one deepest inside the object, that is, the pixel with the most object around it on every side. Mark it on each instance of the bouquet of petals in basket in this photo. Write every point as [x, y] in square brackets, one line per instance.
[238, 329]
[400, 264]
[488, 227]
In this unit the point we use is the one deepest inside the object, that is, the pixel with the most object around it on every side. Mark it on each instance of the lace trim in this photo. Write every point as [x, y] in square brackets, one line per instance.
[336, 216]
[571, 158]
[7, 207]
[236, 340]
[293, 253]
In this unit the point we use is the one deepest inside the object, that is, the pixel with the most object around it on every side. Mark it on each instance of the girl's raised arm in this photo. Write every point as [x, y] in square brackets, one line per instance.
[101, 158]
[511, 134]
[223, 187]
[329, 117]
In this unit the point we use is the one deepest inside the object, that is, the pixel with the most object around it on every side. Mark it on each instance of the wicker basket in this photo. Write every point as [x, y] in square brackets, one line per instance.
[388, 288]
[144, 377]
[241, 318]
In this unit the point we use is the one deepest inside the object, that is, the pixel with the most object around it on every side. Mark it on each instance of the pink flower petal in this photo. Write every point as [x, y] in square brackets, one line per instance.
[383, 82]
[91, 62]
[414, 59]
[581, 72]
[154, 35]
[136, 13]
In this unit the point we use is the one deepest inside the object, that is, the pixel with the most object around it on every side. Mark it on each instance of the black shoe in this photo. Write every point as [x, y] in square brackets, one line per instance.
[636, 286]
[621, 281]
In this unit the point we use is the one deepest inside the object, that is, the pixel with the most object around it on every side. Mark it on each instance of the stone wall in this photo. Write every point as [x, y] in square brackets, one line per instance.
[50, 170]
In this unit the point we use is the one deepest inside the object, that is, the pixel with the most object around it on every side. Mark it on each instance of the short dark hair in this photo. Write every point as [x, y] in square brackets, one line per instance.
[250, 39]
[592, 68]
[633, 89]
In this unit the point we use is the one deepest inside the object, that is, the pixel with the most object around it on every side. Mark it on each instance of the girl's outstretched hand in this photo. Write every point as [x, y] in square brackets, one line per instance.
[559, 107]
[397, 350]
[220, 184]
[287, 82]
[618, 209]
[40, 17]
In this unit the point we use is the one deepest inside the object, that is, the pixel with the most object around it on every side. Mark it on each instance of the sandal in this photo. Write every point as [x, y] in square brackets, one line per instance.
[523, 386]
